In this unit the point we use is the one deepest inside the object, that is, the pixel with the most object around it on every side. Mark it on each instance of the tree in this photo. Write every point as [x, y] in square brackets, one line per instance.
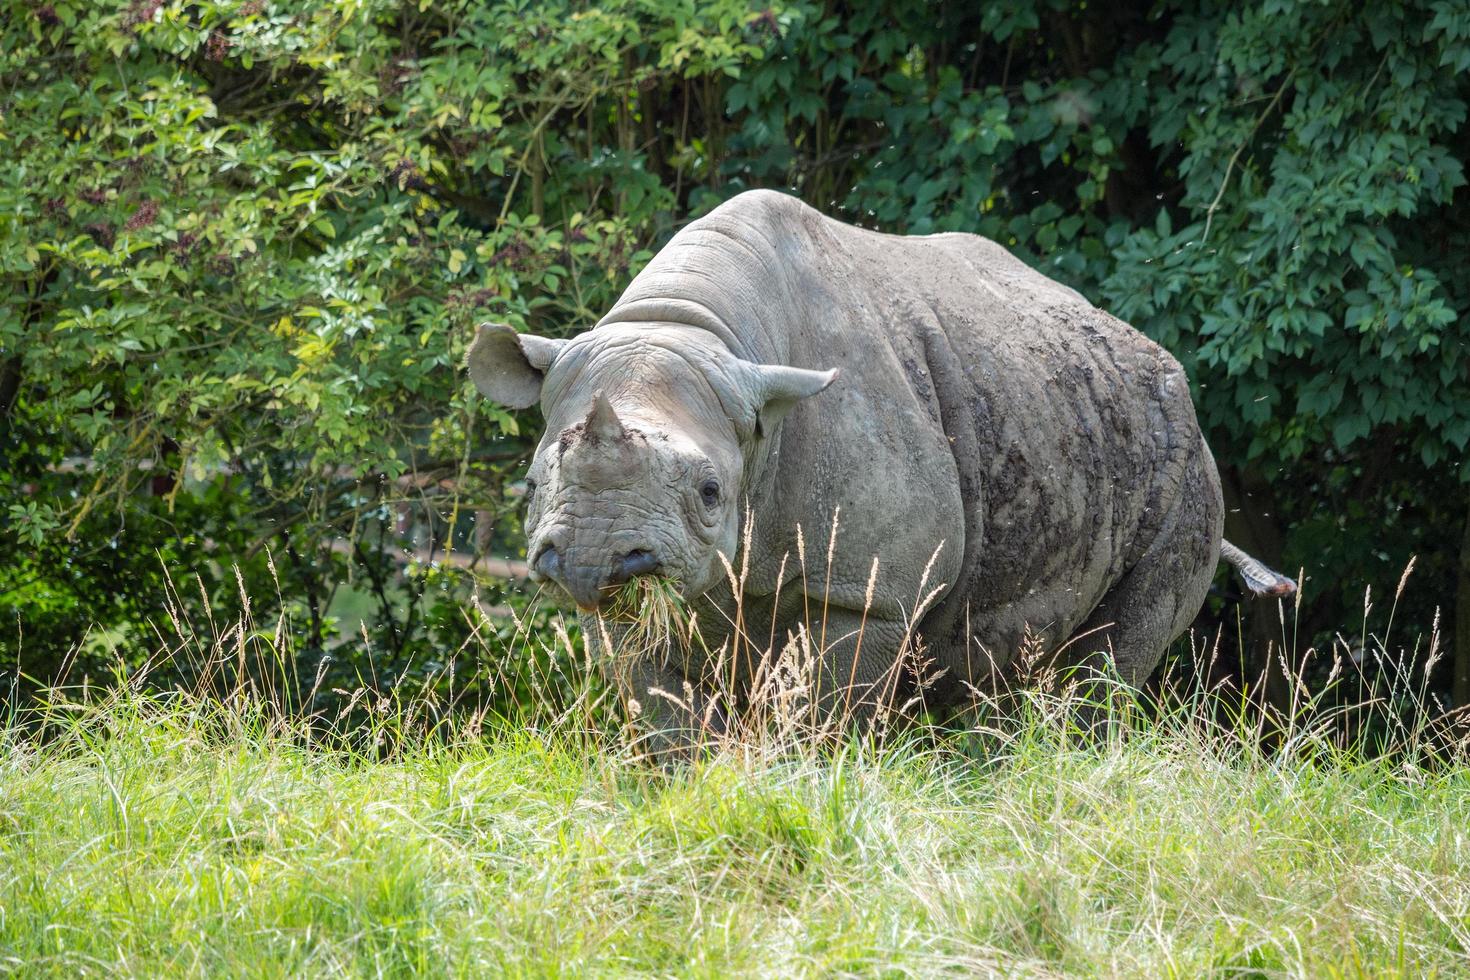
[243, 243]
[241, 247]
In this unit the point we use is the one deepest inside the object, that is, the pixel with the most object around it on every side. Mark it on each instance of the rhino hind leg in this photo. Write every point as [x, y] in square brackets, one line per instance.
[1161, 594]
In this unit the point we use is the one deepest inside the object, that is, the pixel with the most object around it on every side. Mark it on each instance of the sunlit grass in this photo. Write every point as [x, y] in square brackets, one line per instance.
[183, 836]
[232, 830]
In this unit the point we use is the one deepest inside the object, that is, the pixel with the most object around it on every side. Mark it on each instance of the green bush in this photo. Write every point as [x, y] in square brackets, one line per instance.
[242, 245]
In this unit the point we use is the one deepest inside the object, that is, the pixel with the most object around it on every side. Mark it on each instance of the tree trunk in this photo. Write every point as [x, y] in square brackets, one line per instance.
[1461, 688]
[1250, 523]
[9, 385]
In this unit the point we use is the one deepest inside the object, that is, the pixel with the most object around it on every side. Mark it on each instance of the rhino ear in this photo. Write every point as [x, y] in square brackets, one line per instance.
[508, 367]
[777, 388]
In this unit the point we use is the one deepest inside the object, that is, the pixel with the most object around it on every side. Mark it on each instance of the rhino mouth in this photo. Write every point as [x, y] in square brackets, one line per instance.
[606, 588]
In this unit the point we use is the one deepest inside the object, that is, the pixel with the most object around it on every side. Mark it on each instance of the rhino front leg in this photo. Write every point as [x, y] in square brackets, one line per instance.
[673, 714]
[859, 677]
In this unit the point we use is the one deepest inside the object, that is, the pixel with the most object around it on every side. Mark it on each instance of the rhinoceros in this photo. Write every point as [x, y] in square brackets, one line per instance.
[981, 429]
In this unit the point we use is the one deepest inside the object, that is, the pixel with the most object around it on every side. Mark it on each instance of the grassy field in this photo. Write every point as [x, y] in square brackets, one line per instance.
[187, 837]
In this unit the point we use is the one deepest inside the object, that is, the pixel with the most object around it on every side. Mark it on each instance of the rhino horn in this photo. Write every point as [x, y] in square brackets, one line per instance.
[602, 422]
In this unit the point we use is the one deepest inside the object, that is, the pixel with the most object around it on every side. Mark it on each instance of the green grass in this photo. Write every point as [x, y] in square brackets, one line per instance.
[184, 837]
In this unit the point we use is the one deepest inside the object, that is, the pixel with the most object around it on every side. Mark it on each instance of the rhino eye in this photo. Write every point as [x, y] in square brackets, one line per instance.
[709, 492]
[530, 490]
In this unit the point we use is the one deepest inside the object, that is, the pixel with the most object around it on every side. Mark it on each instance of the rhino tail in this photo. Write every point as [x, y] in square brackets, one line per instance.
[1258, 578]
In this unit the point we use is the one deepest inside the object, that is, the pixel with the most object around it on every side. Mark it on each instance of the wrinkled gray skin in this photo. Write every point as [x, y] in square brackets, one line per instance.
[1045, 450]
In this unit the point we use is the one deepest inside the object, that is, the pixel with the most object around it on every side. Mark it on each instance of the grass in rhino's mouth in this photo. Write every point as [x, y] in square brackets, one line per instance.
[646, 600]
[650, 615]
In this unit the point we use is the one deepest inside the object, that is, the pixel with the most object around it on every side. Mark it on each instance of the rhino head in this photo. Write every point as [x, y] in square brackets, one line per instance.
[652, 431]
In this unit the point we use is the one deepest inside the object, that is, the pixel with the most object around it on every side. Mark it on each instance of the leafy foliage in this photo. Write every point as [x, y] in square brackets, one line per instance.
[242, 244]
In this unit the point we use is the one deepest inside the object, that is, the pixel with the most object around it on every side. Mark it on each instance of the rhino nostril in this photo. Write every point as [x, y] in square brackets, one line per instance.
[639, 561]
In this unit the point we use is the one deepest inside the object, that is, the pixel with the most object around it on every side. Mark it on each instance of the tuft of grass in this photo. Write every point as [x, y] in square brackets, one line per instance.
[651, 603]
[648, 618]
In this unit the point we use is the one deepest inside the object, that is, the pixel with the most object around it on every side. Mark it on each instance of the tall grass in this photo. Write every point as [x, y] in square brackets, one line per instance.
[231, 828]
